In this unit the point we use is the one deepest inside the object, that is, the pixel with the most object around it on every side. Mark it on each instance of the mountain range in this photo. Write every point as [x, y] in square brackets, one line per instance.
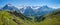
[29, 11]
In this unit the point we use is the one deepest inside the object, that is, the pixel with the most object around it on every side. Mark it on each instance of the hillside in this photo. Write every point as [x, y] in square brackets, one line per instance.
[52, 18]
[7, 18]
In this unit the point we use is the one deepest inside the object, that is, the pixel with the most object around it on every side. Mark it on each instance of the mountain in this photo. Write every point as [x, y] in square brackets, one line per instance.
[9, 7]
[38, 11]
[22, 10]
[44, 10]
[28, 11]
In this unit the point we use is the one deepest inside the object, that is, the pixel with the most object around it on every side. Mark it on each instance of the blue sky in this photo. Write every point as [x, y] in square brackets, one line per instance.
[31, 2]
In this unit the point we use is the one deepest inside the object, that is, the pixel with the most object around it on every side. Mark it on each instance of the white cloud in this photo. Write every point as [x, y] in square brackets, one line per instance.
[55, 7]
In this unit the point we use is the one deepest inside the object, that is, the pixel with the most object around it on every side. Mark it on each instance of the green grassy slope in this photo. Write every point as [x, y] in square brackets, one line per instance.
[52, 18]
[6, 18]
[9, 19]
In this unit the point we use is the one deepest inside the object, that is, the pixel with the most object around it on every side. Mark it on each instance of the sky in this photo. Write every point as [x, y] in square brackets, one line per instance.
[52, 3]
